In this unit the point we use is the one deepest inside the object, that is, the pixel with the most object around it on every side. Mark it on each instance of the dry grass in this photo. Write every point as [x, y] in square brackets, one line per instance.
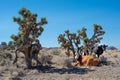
[57, 66]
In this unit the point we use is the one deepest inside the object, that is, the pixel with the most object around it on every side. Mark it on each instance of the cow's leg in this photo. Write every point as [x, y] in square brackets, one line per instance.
[98, 55]
[77, 63]
[88, 62]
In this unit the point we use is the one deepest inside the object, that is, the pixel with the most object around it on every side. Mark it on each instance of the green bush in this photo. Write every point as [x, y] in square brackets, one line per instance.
[56, 52]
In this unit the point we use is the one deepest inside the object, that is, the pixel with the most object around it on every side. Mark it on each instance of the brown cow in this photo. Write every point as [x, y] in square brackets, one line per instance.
[86, 60]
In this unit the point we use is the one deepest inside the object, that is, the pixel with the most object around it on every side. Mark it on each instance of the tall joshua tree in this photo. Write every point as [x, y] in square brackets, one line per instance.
[72, 42]
[29, 31]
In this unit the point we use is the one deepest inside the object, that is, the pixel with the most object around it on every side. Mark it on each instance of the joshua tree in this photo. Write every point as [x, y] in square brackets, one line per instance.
[29, 31]
[89, 43]
[4, 45]
[72, 41]
[11, 44]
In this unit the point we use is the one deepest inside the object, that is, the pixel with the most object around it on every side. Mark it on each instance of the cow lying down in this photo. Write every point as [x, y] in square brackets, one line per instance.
[86, 60]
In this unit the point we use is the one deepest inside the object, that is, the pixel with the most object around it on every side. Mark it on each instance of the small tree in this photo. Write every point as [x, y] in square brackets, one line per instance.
[89, 43]
[69, 41]
[4, 45]
[11, 44]
[29, 30]
[73, 41]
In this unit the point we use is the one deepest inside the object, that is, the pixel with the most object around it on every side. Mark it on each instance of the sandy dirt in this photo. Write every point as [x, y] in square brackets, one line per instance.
[57, 66]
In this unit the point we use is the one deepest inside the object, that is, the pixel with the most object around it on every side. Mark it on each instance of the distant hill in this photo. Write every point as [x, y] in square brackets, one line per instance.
[112, 48]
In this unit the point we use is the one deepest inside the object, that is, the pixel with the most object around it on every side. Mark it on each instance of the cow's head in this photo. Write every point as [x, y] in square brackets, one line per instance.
[104, 47]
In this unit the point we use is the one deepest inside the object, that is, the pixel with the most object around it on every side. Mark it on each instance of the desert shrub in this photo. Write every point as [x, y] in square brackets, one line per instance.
[104, 61]
[3, 45]
[46, 59]
[11, 45]
[4, 62]
[1, 58]
[5, 58]
[67, 78]
[21, 74]
[6, 55]
[115, 56]
[55, 52]
[67, 63]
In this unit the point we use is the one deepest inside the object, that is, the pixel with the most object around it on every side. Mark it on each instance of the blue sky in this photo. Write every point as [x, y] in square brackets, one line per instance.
[62, 15]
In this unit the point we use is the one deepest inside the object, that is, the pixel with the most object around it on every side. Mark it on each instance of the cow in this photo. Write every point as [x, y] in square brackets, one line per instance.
[87, 60]
[98, 50]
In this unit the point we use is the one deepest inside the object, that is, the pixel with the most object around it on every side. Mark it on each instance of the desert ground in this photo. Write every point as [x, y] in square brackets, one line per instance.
[57, 66]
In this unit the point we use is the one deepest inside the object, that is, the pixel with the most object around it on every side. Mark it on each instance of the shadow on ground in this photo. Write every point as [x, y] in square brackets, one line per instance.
[75, 70]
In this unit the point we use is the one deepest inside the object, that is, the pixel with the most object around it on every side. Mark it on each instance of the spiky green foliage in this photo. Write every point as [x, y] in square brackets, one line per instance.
[29, 28]
[88, 43]
[11, 44]
[29, 31]
[69, 41]
[97, 36]
[3, 43]
[72, 41]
